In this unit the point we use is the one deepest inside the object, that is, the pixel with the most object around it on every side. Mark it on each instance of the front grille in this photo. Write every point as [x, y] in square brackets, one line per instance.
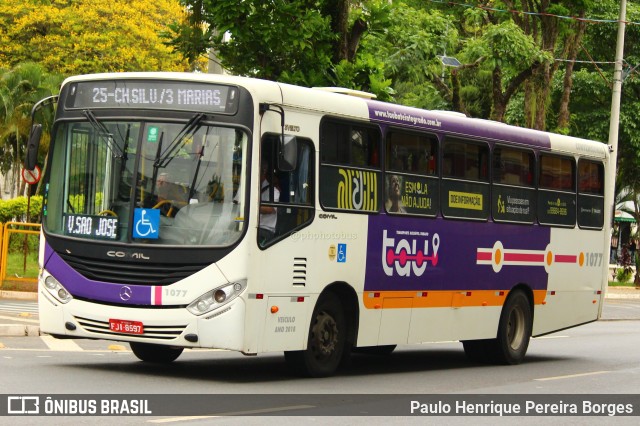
[164, 332]
[130, 273]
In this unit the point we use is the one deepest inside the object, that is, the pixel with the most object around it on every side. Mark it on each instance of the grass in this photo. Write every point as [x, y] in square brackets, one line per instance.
[16, 269]
[619, 284]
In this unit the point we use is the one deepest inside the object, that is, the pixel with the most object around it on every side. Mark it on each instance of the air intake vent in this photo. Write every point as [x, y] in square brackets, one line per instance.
[300, 271]
[130, 273]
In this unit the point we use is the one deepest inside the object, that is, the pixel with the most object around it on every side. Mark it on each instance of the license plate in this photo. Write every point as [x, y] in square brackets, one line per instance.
[124, 326]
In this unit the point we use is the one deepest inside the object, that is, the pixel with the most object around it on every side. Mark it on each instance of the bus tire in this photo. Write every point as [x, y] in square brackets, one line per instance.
[326, 341]
[514, 330]
[514, 333]
[155, 353]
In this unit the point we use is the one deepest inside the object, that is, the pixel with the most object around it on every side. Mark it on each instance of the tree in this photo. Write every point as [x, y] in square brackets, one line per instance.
[20, 89]
[87, 36]
[558, 37]
[409, 46]
[306, 42]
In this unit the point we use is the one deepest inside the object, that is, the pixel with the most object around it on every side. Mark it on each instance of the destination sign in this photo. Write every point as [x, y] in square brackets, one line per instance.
[90, 226]
[156, 94]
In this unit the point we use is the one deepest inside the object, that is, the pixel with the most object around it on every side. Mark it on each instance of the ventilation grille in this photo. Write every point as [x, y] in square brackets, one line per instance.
[130, 273]
[162, 332]
[300, 271]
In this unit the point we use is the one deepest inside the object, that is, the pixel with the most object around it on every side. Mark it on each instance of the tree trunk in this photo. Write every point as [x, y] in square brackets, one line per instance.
[529, 104]
[573, 47]
[338, 10]
[542, 96]
[499, 104]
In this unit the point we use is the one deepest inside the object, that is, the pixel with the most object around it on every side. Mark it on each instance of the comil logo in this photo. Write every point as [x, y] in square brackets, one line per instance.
[409, 255]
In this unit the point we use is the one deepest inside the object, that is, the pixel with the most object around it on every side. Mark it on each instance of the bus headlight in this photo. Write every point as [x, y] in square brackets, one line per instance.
[217, 297]
[57, 290]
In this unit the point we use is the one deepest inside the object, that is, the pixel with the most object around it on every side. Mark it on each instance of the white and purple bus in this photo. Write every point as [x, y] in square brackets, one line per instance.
[209, 211]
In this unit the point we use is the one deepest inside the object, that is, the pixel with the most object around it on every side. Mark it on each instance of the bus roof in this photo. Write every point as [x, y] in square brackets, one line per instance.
[338, 103]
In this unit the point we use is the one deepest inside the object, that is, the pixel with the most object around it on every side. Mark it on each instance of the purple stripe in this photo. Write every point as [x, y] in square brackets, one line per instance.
[438, 121]
[82, 287]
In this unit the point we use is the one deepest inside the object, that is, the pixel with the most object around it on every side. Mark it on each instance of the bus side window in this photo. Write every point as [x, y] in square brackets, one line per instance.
[556, 193]
[513, 166]
[590, 177]
[466, 160]
[590, 194]
[513, 194]
[410, 185]
[557, 172]
[350, 153]
[411, 153]
[465, 188]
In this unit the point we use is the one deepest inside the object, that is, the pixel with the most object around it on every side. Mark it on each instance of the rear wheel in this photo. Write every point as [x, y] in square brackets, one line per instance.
[514, 333]
[326, 341]
[155, 353]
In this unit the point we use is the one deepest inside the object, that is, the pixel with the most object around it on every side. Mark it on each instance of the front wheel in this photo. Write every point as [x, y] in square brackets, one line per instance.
[326, 341]
[155, 353]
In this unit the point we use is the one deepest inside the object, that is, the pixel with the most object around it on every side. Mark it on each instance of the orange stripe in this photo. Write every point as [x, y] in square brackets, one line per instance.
[440, 299]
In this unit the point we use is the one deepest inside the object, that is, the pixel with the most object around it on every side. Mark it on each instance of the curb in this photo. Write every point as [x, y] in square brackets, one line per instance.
[622, 296]
[20, 295]
[622, 293]
[17, 330]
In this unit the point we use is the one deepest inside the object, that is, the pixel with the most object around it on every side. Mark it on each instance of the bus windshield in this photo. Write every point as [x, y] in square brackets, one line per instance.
[147, 182]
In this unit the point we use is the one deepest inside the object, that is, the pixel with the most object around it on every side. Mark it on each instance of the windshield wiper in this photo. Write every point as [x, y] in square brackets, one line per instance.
[102, 130]
[189, 128]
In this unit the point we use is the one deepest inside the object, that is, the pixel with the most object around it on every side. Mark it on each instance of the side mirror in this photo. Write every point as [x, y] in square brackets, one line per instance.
[32, 147]
[288, 153]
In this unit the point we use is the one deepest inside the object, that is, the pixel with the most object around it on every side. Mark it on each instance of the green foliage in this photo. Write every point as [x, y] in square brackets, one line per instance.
[267, 38]
[88, 36]
[15, 210]
[624, 274]
[24, 243]
[16, 268]
[298, 42]
[409, 47]
[20, 88]
[365, 73]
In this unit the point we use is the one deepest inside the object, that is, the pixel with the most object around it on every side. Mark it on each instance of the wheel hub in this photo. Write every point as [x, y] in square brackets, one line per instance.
[326, 334]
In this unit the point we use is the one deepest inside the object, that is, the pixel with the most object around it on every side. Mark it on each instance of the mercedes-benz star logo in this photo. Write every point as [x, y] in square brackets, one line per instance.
[125, 293]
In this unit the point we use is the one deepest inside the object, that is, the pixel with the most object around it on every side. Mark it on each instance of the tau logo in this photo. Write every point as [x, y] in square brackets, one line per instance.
[406, 256]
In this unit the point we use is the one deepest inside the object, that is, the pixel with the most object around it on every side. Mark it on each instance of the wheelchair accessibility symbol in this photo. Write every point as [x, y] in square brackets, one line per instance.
[147, 223]
[342, 253]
